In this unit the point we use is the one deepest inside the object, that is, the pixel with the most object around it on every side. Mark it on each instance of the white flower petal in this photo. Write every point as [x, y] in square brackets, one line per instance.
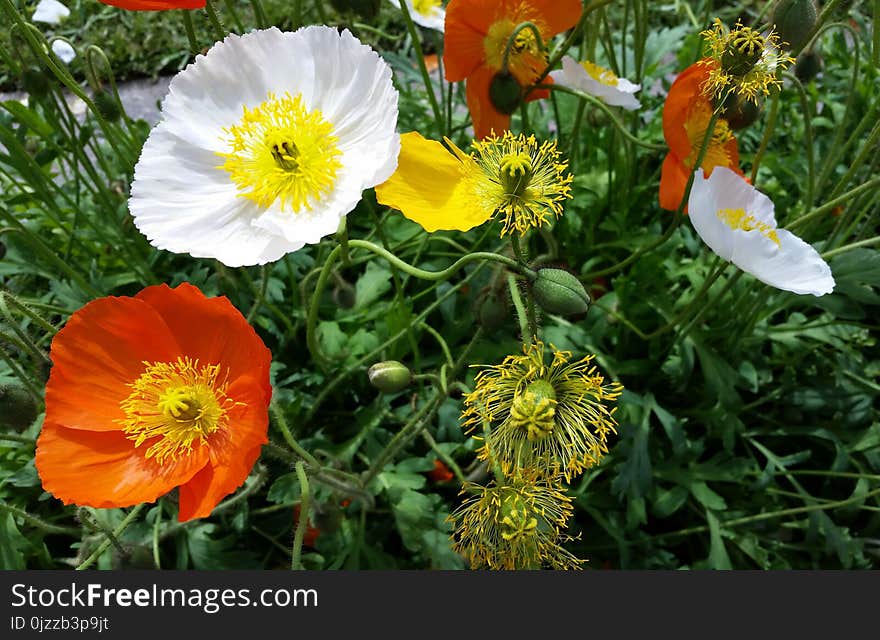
[774, 256]
[184, 201]
[63, 50]
[435, 19]
[574, 76]
[50, 12]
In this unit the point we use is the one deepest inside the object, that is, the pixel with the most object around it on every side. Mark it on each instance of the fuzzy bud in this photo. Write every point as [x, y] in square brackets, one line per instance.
[560, 292]
[17, 408]
[505, 92]
[808, 66]
[35, 82]
[739, 111]
[390, 376]
[107, 106]
[794, 19]
[492, 309]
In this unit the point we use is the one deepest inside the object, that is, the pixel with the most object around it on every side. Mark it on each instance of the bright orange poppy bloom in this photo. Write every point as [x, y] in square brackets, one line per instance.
[476, 36]
[155, 5]
[686, 116]
[166, 389]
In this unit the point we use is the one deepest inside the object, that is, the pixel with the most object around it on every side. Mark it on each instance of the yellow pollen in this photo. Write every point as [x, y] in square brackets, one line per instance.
[525, 61]
[695, 125]
[174, 405]
[282, 152]
[740, 219]
[425, 7]
[600, 74]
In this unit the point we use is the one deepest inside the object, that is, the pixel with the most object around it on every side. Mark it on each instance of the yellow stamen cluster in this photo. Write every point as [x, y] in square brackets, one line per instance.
[517, 525]
[571, 430]
[743, 61]
[740, 219]
[425, 7]
[695, 126]
[519, 179]
[600, 74]
[280, 151]
[173, 406]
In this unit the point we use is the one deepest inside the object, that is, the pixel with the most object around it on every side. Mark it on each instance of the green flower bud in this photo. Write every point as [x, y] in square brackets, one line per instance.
[505, 92]
[739, 111]
[745, 46]
[560, 292]
[17, 408]
[107, 106]
[794, 19]
[808, 66]
[344, 295]
[492, 309]
[390, 376]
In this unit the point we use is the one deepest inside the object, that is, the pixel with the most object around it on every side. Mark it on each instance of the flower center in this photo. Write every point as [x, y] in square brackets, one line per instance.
[525, 59]
[600, 74]
[517, 521]
[740, 219]
[742, 51]
[282, 152]
[695, 125]
[425, 7]
[534, 411]
[173, 405]
[520, 179]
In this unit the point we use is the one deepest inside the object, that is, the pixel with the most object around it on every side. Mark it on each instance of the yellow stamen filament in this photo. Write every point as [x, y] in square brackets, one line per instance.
[282, 152]
[173, 406]
[740, 219]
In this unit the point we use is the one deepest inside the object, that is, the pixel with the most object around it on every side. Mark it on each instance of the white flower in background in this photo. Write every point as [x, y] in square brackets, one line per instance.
[597, 81]
[427, 13]
[737, 222]
[50, 12]
[63, 50]
[265, 144]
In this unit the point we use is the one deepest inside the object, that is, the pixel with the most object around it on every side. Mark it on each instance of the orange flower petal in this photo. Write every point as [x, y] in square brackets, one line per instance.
[553, 16]
[485, 116]
[232, 453]
[467, 23]
[104, 470]
[206, 327]
[679, 102]
[673, 181]
[97, 354]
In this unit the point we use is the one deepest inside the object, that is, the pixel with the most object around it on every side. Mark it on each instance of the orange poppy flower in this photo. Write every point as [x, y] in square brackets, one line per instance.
[166, 389]
[476, 36]
[155, 5]
[686, 115]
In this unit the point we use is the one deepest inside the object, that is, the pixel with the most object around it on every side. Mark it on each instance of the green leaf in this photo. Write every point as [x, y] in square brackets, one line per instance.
[285, 489]
[718, 558]
[707, 497]
[669, 501]
[372, 285]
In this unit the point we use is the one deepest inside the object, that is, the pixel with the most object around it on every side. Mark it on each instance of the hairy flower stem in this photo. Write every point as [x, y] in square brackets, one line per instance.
[118, 531]
[303, 524]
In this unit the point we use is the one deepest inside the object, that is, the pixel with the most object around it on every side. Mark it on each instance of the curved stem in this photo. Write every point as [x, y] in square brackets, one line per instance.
[303, 524]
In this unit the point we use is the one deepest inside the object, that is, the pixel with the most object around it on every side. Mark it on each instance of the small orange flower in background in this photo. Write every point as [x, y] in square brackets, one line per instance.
[440, 472]
[155, 5]
[686, 116]
[166, 389]
[476, 35]
[311, 534]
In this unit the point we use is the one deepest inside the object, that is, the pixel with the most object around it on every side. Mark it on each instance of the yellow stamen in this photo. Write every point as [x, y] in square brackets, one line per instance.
[425, 7]
[695, 126]
[525, 61]
[282, 152]
[174, 405]
[600, 74]
[739, 219]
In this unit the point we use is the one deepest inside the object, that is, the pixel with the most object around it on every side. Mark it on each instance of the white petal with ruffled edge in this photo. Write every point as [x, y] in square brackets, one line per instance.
[574, 76]
[184, 201]
[64, 51]
[435, 18]
[789, 264]
[50, 12]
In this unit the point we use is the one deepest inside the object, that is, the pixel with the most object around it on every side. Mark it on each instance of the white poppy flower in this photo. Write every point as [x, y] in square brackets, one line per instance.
[737, 222]
[427, 13]
[50, 12]
[597, 81]
[265, 144]
[63, 50]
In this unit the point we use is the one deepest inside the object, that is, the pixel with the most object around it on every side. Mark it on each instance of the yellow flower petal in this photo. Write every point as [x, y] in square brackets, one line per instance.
[430, 186]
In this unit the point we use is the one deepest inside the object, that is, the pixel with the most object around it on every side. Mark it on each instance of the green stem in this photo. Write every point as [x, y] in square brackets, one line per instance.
[518, 305]
[831, 204]
[765, 140]
[849, 247]
[281, 423]
[39, 523]
[214, 19]
[190, 31]
[303, 524]
[132, 515]
[420, 58]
